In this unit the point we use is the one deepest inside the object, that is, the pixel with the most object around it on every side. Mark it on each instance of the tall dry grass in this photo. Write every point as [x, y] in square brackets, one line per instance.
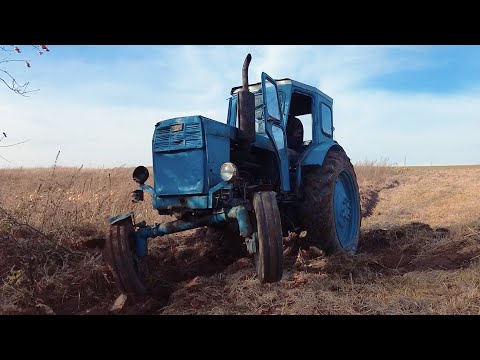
[373, 177]
[47, 218]
[66, 202]
[48, 215]
[438, 196]
[375, 173]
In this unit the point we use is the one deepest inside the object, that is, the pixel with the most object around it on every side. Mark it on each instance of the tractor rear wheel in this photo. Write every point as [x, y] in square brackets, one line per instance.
[119, 253]
[269, 240]
[330, 210]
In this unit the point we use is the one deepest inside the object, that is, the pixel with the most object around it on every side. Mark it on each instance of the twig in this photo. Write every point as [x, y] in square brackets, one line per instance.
[16, 222]
[5, 159]
[399, 261]
[20, 89]
[21, 142]
[473, 232]
[9, 80]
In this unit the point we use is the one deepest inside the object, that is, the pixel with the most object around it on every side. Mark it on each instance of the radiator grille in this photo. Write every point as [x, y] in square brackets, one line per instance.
[190, 137]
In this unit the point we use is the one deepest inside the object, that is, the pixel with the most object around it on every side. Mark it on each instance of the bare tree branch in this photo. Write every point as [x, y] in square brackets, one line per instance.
[10, 81]
[8, 59]
[20, 89]
[7, 78]
[5, 159]
[21, 142]
[9, 145]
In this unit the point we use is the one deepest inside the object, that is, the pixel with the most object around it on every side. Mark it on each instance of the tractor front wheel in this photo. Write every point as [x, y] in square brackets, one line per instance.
[330, 210]
[269, 240]
[119, 253]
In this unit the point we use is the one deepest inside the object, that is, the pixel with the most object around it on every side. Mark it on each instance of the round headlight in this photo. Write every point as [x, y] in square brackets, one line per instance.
[228, 172]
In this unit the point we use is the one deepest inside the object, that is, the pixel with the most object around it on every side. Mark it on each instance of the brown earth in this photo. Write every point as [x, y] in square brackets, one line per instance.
[418, 251]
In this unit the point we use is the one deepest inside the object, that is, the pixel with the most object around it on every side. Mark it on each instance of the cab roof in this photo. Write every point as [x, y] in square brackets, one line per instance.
[257, 86]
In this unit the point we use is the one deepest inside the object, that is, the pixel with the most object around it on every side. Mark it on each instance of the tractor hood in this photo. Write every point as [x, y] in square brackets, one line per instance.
[188, 153]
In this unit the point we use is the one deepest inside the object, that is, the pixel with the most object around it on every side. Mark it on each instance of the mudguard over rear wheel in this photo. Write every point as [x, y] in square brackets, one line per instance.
[119, 253]
[330, 210]
[269, 240]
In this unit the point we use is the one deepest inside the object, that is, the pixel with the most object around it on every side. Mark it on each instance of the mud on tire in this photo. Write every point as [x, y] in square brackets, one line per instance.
[317, 209]
[269, 252]
[119, 253]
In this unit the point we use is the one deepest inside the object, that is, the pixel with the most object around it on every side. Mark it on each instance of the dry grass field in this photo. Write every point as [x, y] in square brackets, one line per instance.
[418, 252]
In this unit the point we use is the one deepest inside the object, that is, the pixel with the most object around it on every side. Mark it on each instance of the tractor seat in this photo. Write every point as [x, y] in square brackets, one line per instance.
[293, 157]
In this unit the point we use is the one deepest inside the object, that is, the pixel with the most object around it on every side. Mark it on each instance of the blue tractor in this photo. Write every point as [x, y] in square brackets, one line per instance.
[257, 174]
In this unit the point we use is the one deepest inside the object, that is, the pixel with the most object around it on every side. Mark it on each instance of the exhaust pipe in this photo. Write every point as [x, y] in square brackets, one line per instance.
[246, 63]
[246, 109]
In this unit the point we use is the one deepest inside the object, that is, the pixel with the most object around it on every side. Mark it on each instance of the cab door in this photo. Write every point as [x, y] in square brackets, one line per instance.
[272, 116]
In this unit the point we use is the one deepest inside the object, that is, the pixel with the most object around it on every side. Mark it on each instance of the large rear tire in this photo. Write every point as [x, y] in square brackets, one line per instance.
[330, 210]
[119, 253]
[269, 240]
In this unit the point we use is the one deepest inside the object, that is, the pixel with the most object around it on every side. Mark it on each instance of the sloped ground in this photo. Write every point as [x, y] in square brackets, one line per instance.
[418, 252]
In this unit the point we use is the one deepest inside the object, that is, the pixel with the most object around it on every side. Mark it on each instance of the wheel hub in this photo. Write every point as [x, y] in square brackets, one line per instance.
[343, 208]
[345, 212]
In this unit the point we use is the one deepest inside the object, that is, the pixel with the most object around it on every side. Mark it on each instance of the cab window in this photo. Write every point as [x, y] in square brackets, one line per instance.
[327, 126]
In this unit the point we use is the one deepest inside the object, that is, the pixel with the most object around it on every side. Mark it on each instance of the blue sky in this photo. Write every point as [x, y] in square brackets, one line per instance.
[98, 104]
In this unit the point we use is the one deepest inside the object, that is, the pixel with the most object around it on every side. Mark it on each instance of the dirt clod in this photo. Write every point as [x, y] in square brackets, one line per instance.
[119, 303]
[44, 309]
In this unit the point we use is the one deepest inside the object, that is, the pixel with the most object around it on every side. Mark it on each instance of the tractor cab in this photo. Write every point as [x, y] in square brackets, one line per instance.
[306, 121]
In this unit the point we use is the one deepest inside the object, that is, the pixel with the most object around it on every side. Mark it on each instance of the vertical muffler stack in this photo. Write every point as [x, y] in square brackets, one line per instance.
[246, 109]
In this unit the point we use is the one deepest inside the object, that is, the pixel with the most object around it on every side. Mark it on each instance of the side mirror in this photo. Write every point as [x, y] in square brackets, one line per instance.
[140, 175]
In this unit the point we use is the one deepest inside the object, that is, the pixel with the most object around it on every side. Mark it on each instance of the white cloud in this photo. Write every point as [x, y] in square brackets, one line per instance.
[426, 128]
[103, 113]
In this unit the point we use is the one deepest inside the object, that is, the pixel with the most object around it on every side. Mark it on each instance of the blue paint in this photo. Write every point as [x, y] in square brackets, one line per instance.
[180, 172]
[178, 134]
[180, 202]
[285, 87]
[315, 155]
[147, 188]
[244, 225]
[171, 227]
[144, 233]
[272, 118]
[218, 153]
[346, 213]
[321, 141]
[187, 155]
[141, 245]
[189, 151]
